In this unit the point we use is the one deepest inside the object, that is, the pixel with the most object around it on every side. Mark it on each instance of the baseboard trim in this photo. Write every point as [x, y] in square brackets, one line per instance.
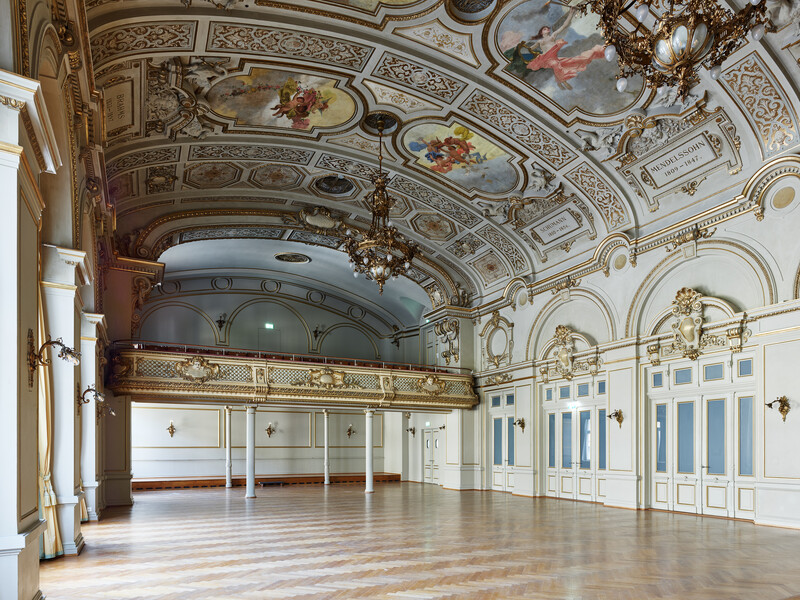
[140, 485]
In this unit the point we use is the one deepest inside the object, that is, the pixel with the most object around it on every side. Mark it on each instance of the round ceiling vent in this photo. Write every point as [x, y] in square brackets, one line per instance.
[293, 257]
[336, 185]
[371, 122]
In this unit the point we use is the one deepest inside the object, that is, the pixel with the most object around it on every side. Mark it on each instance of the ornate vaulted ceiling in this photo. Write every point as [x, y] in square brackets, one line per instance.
[245, 119]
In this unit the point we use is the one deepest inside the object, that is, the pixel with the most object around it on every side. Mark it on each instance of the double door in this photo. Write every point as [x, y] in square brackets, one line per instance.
[697, 459]
[430, 456]
[503, 446]
[576, 452]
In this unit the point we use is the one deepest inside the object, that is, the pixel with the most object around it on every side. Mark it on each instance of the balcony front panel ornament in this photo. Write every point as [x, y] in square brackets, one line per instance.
[197, 370]
[328, 379]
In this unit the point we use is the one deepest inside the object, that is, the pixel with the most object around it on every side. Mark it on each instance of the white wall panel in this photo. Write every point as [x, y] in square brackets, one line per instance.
[781, 439]
[620, 396]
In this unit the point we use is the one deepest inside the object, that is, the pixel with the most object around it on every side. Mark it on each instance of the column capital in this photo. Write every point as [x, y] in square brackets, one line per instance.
[25, 95]
[64, 265]
[369, 412]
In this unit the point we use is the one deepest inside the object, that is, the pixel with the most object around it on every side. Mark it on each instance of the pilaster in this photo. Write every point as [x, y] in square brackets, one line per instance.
[24, 125]
[63, 270]
[93, 327]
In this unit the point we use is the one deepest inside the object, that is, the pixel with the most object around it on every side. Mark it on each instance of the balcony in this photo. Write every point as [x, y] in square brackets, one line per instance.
[155, 371]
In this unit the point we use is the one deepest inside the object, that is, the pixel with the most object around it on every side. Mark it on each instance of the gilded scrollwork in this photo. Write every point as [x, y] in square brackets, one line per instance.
[498, 379]
[687, 327]
[431, 384]
[447, 330]
[197, 370]
[689, 339]
[498, 340]
[328, 379]
[562, 361]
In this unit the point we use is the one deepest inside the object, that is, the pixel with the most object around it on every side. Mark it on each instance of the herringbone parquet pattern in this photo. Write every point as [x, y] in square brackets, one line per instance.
[415, 542]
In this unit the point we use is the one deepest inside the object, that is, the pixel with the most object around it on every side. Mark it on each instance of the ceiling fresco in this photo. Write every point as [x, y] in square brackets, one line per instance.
[282, 99]
[513, 155]
[559, 53]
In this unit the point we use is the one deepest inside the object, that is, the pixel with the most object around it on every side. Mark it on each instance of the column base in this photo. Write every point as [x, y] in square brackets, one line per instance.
[76, 547]
[19, 563]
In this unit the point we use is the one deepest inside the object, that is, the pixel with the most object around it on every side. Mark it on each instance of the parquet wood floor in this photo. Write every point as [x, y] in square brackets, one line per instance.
[415, 542]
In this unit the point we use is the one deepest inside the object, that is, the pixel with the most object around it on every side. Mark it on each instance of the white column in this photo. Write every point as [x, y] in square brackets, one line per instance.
[326, 457]
[368, 489]
[228, 461]
[251, 452]
[92, 330]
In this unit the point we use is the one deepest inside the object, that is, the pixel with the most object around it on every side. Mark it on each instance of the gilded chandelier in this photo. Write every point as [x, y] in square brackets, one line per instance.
[684, 36]
[382, 252]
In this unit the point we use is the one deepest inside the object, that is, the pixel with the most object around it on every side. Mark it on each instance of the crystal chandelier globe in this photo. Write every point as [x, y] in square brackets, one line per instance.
[380, 253]
[684, 36]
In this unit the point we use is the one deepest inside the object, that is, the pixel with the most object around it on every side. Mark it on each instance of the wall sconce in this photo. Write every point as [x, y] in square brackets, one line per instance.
[82, 399]
[783, 406]
[36, 359]
[270, 430]
[318, 331]
[617, 415]
[171, 429]
[520, 423]
[441, 427]
[103, 408]
[221, 320]
[350, 430]
[412, 431]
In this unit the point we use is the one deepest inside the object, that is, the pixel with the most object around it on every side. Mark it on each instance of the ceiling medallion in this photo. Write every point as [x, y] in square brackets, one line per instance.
[335, 185]
[381, 252]
[683, 36]
[293, 257]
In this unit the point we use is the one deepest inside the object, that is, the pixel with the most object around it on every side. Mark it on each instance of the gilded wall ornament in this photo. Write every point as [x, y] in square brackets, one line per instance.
[328, 379]
[498, 340]
[447, 330]
[563, 351]
[562, 361]
[197, 370]
[698, 233]
[498, 379]
[431, 384]
[687, 327]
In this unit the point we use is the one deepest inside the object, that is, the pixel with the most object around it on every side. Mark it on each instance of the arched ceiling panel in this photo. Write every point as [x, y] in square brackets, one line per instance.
[514, 153]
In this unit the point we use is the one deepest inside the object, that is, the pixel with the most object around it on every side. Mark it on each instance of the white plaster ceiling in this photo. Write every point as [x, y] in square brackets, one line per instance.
[328, 272]
[192, 89]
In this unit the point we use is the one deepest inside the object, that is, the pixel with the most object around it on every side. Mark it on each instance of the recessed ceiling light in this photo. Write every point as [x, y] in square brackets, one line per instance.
[293, 257]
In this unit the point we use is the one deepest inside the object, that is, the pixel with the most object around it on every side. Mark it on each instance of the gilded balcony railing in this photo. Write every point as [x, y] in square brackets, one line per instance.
[194, 376]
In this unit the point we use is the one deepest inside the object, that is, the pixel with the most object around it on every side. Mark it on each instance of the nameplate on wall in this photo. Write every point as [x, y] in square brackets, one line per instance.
[678, 155]
[556, 226]
[683, 160]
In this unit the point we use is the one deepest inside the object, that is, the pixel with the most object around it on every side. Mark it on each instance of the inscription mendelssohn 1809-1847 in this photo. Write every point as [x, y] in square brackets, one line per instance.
[683, 160]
